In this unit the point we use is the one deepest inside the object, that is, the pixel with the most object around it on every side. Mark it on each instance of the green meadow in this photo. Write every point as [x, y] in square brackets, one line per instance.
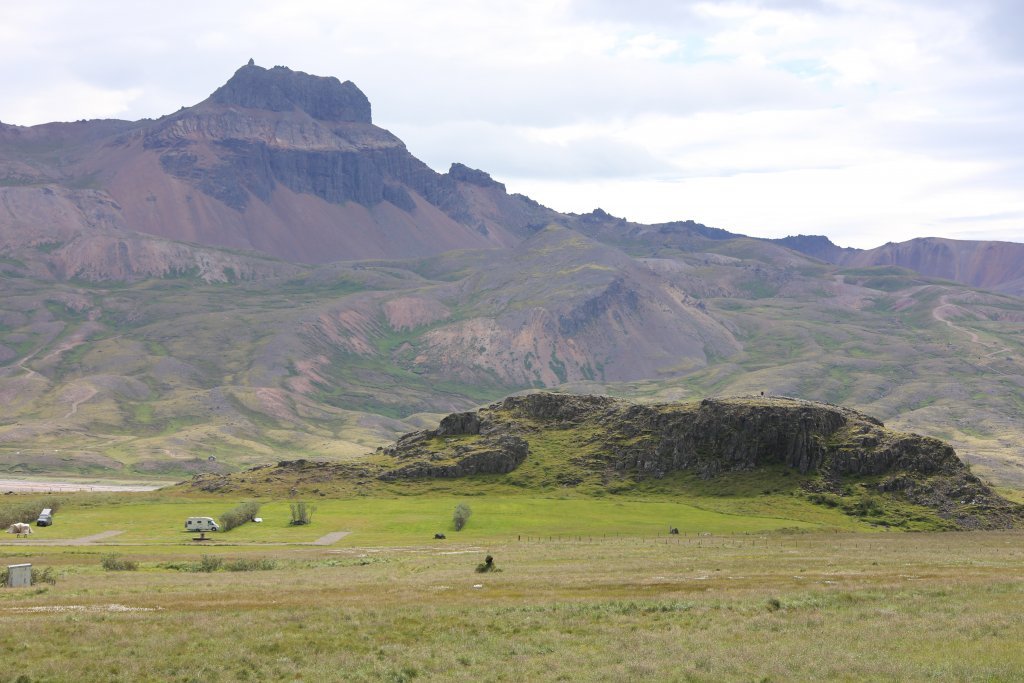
[149, 521]
[760, 587]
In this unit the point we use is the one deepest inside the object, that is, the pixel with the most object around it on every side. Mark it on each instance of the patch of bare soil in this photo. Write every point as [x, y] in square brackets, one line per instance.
[331, 538]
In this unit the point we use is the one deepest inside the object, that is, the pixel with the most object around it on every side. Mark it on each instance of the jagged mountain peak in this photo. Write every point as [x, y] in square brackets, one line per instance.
[281, 89]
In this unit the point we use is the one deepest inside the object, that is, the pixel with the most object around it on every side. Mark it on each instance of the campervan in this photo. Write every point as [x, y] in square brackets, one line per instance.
[201, 524]
[45, 517]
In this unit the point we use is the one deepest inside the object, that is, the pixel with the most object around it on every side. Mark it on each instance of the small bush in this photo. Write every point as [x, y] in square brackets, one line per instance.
[302, 513]
[487, 566]
[116, 563]
[461, 516]
[46, 575]
[251, 565]
[209, 563]
[774, 604]
[239, 515]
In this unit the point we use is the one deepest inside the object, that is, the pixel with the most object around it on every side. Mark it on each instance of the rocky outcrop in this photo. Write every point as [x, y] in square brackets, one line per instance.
[473, 176]
[492, 456]
[281, 89]
[831, 446]
[721, 435]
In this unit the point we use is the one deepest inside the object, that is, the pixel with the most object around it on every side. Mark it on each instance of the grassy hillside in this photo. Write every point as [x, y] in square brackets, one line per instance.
[156, 377]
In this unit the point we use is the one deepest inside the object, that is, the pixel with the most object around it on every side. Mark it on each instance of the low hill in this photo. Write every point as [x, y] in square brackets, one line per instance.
[827, 454]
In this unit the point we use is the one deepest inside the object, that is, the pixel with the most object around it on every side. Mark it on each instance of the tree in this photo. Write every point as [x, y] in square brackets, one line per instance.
[302, 513]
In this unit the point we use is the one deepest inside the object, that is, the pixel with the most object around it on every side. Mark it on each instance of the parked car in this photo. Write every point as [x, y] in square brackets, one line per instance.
[45, 517]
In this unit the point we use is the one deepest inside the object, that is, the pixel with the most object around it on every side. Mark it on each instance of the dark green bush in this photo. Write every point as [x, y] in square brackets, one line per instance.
[487, 566]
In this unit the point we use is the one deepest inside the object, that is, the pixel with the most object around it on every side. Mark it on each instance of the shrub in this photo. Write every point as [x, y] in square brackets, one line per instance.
[251, 565]
[302, 513]
[115, 563]
[461, 516]
[487, 565]
[209, 563]
[239, 515]
[46, 575]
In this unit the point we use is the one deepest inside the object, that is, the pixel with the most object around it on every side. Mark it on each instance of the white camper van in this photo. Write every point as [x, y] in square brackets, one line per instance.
[45, 517]
[201, 524]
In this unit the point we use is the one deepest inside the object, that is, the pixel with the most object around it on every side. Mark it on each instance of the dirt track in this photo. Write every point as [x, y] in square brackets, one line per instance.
[84, 540]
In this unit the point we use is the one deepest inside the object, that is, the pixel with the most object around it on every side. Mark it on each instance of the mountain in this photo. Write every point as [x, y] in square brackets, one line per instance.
[998, 266]
[268, 275]
[823, 453]
[275, 161]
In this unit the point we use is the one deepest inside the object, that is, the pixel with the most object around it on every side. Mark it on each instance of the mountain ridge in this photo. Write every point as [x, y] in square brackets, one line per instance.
[274, 148]
[151, 352]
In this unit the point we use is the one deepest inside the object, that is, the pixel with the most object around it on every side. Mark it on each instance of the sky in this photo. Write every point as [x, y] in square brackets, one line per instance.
[868, 121]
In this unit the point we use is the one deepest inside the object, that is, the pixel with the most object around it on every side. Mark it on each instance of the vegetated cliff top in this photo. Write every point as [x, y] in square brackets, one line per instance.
[826, 454]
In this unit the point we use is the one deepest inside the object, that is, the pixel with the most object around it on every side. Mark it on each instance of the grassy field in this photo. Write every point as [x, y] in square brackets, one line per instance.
[588, 589]
[156, 520]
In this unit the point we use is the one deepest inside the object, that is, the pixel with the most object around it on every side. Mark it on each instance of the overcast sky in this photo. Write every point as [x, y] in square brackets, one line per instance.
[865, 120]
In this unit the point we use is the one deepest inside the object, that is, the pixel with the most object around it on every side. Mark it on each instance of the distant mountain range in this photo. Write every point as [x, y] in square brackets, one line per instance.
[267, 274]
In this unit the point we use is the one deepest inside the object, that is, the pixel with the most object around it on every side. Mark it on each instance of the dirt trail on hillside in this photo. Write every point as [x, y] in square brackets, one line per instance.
[78, 398]
[946, 309]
